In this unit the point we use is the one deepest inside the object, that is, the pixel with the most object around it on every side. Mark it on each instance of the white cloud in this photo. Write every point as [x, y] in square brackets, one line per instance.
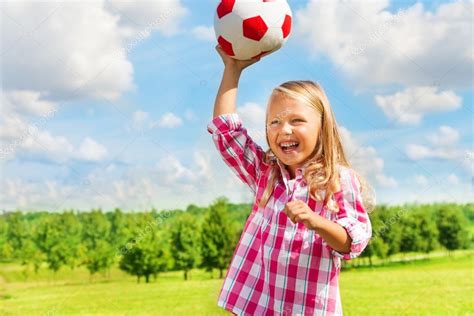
[442, 145]
[129, 187]
[26, 103]
[138, 117]
[132, 187]
[54, 52]
[366, 160]
[253, 118]
[446, 136]
[72, 50]
[76, 49]
[173, 172]
[140, 122]
[170, 120]
[385, 181]
[409, 106]
[12, 127]
[17, 136]
[58, 148]
[453, 179]
[421, 180]
[142, 15]
[418, 152]
[205, 33]
[374, 46]
[91, 150]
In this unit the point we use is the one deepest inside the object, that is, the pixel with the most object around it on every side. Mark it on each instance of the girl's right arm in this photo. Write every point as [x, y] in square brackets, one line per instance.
[238, 150]
[226, 98]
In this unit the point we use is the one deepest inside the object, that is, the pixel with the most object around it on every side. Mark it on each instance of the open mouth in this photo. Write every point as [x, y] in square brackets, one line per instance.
[289, 147]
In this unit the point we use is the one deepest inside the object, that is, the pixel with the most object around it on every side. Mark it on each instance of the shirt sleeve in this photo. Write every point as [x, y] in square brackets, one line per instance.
[352, 215]
[237, 148]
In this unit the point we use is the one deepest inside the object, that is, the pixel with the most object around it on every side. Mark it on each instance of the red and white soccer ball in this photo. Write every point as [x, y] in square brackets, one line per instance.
[248, 29]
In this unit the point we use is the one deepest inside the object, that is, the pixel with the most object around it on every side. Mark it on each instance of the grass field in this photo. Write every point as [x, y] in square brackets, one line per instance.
[438, 286]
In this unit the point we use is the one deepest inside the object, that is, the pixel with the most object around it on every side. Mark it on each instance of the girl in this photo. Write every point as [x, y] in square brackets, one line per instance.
[308, 212]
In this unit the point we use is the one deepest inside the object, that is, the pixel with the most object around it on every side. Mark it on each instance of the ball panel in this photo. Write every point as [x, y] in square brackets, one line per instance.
[226, 46]
[286, 27]
[254, 28]
[225, 7]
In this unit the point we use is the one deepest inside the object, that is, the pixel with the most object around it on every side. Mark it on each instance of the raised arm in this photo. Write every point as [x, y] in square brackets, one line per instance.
[238, 150]
[226, 98]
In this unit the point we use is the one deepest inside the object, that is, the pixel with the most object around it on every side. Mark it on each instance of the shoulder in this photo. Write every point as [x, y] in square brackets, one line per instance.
[224, 122]
[348, 178]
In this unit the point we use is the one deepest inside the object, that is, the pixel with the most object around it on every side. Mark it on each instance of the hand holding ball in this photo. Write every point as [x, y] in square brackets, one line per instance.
[249, 29]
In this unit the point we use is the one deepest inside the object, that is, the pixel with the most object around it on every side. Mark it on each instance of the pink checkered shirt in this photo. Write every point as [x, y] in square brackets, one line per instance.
[281, 268]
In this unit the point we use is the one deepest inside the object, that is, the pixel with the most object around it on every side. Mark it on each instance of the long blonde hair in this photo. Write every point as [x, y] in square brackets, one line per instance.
[320, 173]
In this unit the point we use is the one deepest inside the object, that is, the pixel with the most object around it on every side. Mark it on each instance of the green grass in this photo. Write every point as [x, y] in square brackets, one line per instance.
[436, 286]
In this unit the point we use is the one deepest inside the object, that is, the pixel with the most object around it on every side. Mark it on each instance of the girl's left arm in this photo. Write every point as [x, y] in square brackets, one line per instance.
[349, 234]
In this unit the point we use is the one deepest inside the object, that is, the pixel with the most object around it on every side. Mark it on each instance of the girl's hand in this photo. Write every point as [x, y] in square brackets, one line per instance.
[299, 211]
[230, 62]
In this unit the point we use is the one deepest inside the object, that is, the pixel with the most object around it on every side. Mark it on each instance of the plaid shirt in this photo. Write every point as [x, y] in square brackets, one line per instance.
[281, 268]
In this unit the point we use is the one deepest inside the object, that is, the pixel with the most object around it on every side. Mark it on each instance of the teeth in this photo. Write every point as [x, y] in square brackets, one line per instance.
[288, 144]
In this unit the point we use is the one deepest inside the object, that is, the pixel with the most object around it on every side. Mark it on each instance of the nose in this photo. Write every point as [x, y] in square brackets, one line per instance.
[286, 128]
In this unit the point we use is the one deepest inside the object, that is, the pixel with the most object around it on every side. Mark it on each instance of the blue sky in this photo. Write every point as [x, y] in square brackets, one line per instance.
[84, 125]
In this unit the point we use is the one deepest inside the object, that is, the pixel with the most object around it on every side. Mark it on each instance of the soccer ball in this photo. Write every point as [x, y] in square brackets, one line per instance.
[248, 29]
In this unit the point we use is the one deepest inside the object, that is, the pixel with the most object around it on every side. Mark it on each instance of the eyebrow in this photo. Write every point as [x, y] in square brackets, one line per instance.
[289, 115]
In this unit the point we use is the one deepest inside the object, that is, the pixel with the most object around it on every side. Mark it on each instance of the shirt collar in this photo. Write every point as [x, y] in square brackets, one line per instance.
[286, 174]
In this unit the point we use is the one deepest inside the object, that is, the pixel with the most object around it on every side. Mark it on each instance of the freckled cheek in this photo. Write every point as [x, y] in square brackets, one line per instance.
[271, 140]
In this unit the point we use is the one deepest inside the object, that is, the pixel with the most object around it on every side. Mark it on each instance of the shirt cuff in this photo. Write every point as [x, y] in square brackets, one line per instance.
[355, 230]
[224, 123]
[350, 226]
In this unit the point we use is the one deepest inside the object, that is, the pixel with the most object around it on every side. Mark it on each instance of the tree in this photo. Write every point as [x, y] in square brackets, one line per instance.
[6, 250]
[147, 253]
[50, 239]
[217, 238]
[411, 238]
[185, 243]
[100, 258]
[31, 255]
[99, 255]
[452, 228]
[71, 235]
[428, 231]
[18, 232]
[120, 226]
[391, 229]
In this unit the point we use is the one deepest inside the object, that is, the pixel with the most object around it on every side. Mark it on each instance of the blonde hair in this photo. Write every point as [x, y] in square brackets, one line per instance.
[321, 173]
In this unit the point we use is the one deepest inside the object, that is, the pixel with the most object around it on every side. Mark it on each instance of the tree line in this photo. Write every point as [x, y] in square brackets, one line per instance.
[144, 244]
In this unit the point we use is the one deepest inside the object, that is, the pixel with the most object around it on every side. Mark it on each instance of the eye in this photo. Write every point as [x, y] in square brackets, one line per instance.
[298, 120]
[274, 122]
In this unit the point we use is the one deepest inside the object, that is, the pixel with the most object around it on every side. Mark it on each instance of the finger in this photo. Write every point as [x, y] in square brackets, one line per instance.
[292, 219]
[297, 206]
[299, 202]
[292, 203]
[301, 217]
[298, 214]
[290, 211]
